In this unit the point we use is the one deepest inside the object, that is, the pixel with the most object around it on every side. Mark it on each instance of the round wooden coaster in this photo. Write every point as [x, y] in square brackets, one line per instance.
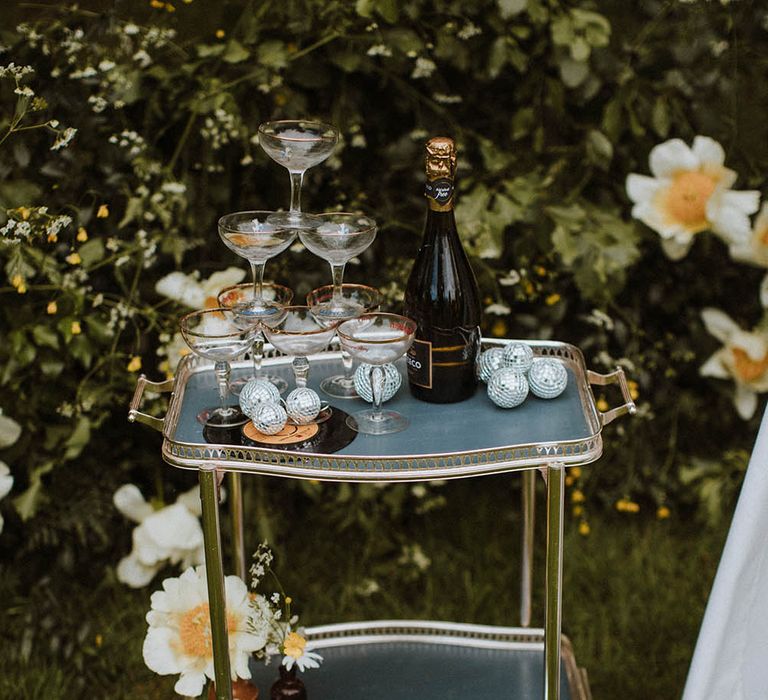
[289, 435]
[326, 438]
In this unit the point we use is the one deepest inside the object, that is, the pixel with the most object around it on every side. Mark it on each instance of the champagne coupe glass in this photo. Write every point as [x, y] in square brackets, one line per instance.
[237, 296]
[251, 236]
[297, 332]
[377, 339]
[297, 144]
[340, 237]
[342, 386]
[216, 335]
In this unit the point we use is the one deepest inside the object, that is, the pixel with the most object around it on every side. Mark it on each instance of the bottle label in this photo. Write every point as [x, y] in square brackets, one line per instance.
[458, 348]
[419, 359]
[440, 190]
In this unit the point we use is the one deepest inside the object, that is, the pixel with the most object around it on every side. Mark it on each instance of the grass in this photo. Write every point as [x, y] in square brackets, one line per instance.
[634, 594]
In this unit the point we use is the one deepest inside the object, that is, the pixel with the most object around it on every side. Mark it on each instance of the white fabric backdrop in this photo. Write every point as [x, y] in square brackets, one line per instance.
[731, 657]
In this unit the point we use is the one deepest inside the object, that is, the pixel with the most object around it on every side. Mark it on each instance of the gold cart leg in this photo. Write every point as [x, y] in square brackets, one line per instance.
[554, 580]
[238, 529]
[526, 576]
[214, 572]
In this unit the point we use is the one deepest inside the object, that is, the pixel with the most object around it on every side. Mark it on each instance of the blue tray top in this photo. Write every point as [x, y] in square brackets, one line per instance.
[474, 424]
[418, 671]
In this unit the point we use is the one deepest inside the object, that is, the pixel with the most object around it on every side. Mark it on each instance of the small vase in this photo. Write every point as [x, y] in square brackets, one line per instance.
[241, 690]
[288, 686]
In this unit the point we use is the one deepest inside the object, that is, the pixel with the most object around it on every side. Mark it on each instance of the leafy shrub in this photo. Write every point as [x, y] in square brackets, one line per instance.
[553, 103]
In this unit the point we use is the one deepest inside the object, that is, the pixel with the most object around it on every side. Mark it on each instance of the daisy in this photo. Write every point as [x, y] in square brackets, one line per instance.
[6, 483]
[296, 652]
[195, 293]
[743, 358]
[689, 193]
[171, 534]
[755, 249]
[179, 638]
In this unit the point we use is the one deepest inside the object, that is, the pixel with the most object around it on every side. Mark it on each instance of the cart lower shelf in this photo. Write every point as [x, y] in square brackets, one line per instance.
[415, 660]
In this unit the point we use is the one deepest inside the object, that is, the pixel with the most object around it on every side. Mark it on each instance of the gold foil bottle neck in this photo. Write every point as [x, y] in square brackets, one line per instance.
[441, 158]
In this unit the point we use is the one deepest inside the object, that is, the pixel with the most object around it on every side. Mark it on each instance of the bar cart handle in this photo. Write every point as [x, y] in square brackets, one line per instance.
[615, 377]
[133, 412]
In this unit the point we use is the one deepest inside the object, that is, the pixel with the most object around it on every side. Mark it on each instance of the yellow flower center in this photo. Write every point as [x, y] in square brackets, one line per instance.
[746, 368]
[294, 645]
[761, 234]
[195, 631]
[686, 199]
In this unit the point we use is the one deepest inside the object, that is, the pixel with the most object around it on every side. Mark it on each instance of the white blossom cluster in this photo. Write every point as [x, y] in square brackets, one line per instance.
[63, 138]
[423, 69]
[14, 71]
[36, 222]
[446, 99]
[30, 34]
[131, 141]
[469, 30]
[220, 128]
[379, 50]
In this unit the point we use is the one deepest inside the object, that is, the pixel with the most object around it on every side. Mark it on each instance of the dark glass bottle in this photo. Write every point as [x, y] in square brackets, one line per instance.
[289, 686]
[442, 294]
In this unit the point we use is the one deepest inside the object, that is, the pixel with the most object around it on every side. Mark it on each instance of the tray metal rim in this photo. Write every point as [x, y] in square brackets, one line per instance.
[330, 467]
[450, 634]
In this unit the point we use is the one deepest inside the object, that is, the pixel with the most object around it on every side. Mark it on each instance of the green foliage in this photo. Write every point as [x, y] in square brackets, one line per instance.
[553, 103]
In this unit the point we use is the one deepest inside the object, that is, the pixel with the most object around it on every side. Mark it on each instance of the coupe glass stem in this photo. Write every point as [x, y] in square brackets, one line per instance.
[222, 379]
[300, 370]
[377, 389]
[346, 362]
[338, 275]
[297, 177]
[257, 354]
[257, 269]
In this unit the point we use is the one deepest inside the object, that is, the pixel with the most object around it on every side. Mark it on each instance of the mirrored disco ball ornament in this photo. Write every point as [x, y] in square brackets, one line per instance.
[508, 387]
[547, 377]
[488, 362]
[517, 356]
[255, 392]
[269, 418]
[392, 382]
[303, 405]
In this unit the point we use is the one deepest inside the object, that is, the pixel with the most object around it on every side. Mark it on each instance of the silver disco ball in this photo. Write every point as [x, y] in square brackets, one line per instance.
[255, 392]
[392, 382]
[303, 405]
[547, 377]
[269, 418]
[507, 388]
[488, 362]
[517, 356]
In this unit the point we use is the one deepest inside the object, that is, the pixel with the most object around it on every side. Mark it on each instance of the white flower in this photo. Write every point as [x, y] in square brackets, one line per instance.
[296, 652]
[755, 249]
[174, 187]
[446, 99]
[179, 636]
[379, 50]
[468, 31]
[498, 309]
[169, 535]
[6, 484]
[196, 293]
[423, 69]
[63, 138]
[743, 358]
[689, 193]
[173, 350]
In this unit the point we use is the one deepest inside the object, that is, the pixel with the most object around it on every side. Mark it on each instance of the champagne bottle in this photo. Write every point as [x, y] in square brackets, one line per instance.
[441, 295]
